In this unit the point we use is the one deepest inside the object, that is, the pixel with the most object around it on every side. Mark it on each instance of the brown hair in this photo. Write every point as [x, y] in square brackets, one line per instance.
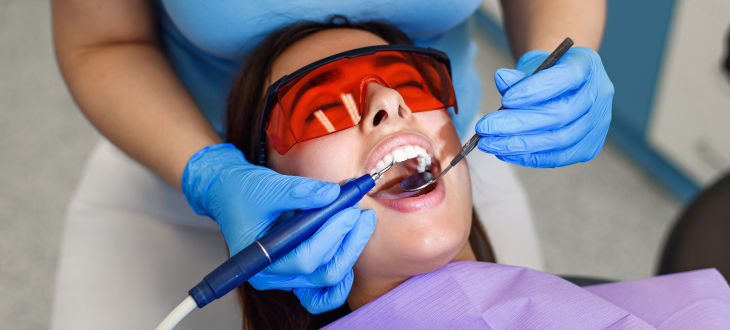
[278, 309]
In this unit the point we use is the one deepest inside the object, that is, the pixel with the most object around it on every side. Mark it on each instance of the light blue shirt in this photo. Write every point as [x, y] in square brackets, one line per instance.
[206, 41]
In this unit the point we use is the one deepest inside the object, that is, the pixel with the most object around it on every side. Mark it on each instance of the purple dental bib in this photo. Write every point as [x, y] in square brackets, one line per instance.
[480, 295]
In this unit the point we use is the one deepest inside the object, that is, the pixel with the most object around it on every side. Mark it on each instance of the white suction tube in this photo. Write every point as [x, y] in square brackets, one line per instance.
[177, 314]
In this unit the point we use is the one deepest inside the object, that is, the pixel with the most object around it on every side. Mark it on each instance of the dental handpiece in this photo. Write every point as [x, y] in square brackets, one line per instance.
[268, 249]
[422, 180]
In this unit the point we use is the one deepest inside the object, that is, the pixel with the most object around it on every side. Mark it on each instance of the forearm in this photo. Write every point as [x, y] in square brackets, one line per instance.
[132, 95]
[543, 24]
[109, 55]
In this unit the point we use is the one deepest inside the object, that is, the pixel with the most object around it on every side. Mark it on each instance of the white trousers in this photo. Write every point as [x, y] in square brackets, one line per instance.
[132, 247]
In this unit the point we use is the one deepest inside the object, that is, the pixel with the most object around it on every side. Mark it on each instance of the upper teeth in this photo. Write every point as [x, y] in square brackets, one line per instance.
[404, 153]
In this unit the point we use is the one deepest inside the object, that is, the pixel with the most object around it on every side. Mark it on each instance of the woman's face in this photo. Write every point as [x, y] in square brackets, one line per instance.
[414, 234]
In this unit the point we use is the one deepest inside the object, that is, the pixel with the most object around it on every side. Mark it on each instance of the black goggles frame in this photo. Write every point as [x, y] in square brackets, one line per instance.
[272, 91]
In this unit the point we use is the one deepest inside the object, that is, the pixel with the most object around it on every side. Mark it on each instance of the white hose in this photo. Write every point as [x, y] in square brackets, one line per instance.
[177, 314]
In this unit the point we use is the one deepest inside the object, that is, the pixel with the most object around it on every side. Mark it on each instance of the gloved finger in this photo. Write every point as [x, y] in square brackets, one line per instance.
[319, 300]
[346, 256]
[274, 193]
[305, 193]
[568, 73]
[318, 249]
[506, 145]
[583, 151]
[505, 78]
[238, 242]
[333, 271]
[531, 60]
[553, 114]
[278, 193]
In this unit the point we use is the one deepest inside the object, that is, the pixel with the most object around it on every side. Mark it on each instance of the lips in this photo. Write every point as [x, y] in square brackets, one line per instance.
[389, 144]
[387, 191]
[419, 203]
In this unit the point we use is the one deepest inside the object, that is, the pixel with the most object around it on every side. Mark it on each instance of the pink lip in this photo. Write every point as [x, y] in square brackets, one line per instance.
[416, 204]
[389, 144]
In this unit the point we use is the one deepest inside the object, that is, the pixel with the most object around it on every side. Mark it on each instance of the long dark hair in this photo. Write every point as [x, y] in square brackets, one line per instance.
[277, 309]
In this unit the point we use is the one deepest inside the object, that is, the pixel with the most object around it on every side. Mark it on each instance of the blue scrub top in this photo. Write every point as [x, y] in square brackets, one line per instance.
[206, 41]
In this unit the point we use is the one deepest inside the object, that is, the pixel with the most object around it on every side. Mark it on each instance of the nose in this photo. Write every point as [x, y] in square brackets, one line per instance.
[385, 107]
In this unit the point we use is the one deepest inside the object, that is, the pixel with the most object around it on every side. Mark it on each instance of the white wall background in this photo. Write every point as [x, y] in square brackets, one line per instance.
[690, 122]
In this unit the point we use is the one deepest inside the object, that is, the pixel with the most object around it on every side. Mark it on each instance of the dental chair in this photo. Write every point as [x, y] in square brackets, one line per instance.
[132, 247]
[701, 236]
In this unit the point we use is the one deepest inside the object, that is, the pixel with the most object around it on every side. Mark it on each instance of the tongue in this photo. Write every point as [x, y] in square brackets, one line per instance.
[394, 192]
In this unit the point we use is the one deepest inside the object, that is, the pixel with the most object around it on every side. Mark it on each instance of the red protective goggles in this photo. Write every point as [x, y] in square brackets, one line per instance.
[330, 95]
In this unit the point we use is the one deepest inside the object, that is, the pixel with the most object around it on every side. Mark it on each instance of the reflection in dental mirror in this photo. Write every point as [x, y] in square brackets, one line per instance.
[416, 181]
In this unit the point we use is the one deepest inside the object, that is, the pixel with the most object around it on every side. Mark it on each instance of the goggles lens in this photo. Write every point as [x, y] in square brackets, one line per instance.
[333, 97]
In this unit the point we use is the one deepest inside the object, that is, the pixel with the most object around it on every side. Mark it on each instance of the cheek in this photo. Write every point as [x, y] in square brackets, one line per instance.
[438, 125]
[332, 158]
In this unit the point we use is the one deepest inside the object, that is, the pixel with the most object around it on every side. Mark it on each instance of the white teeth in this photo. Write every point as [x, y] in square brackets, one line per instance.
[410, 152]
[399, 155]
[404, 153]
[380, 166]
[424, 160]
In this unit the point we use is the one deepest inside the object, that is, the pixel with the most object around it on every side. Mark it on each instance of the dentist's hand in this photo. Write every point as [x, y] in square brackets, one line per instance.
[246, 201]
[557, 117]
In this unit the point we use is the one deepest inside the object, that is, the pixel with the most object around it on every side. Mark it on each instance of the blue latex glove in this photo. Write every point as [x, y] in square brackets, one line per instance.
[247, 200]
[557, 117]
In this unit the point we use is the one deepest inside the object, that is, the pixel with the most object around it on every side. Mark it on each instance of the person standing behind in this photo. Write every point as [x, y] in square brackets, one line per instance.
[153, 77]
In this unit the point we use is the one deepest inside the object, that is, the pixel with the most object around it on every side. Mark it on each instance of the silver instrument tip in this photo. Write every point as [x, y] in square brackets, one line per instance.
[380, 173]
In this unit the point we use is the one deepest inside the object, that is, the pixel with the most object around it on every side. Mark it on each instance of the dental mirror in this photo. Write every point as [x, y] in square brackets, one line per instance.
[422, 180]
[416, 181]
[419, 181]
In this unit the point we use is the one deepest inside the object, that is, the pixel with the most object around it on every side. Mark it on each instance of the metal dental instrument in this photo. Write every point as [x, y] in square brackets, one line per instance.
[268, 249]
[379, 174]
[419, 181]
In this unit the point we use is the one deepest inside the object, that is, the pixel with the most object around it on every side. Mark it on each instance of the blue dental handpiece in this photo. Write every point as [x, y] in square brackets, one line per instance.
[278, 242]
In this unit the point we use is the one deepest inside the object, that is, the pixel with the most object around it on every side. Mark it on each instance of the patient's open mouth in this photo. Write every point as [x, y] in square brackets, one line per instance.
[411, 154]
[388, 187]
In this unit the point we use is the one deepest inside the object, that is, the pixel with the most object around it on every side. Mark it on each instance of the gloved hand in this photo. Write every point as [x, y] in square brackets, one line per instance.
[557, 117]
[246, 201]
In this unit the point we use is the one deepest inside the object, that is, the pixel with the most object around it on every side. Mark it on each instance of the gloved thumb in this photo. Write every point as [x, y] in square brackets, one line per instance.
[506, 78]
[319, 300]
[305, 193]
[531, 60]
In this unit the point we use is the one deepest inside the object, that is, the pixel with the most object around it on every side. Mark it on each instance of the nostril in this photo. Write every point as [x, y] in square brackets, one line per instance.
[382, 114]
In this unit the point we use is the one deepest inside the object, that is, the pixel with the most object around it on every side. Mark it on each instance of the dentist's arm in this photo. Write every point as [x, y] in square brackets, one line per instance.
[110, 56]
[559, 116]
[543, 24]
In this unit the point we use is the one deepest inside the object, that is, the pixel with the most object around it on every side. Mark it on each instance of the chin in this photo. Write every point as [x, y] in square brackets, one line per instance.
[417, 256]
[412, 244]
